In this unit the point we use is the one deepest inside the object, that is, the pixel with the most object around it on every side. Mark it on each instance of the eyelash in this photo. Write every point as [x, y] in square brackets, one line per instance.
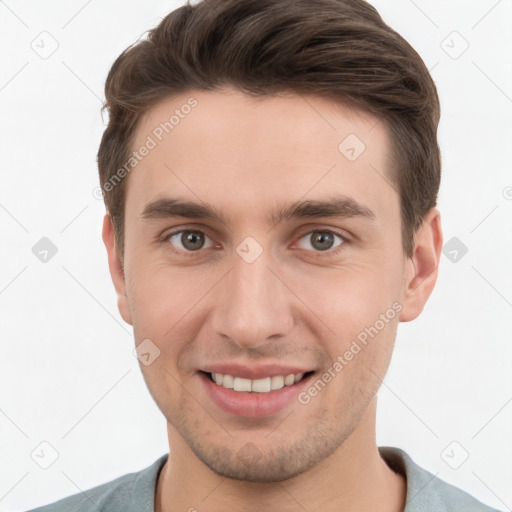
[165, 238]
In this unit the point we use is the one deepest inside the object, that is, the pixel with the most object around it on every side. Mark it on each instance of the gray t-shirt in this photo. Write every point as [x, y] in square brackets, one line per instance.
[135, 492]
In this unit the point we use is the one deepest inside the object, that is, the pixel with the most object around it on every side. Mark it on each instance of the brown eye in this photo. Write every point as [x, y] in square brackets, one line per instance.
[192, 241]
[188, 240]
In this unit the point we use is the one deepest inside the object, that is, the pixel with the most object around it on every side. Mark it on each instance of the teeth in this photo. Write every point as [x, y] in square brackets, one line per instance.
[228, 381]
[261, 385]
[289, 380]
[277, 382]
[242, 384]
[257, 385]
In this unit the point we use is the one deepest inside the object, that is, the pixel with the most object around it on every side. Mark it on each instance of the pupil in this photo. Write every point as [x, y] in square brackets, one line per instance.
[320, 239]
[192, 241]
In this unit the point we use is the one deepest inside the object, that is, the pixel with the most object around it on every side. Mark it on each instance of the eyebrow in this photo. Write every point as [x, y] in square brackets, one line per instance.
[338, 206]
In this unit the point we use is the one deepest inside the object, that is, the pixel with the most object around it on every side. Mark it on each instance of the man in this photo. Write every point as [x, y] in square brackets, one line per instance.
[270, 171]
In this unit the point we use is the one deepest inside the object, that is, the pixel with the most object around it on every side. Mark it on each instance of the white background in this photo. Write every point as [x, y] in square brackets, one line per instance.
[68, 376]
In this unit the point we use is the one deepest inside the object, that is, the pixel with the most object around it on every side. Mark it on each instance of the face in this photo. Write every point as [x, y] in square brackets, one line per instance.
[262, 240]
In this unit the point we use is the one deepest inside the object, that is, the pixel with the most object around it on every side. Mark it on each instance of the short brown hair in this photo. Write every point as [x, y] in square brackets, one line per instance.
[339, 49]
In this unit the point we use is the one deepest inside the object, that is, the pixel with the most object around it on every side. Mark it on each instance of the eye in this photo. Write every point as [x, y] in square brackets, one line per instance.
[189, 240]
[321, 240]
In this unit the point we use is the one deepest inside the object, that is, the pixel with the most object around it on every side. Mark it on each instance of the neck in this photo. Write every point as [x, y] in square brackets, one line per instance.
[353, 478]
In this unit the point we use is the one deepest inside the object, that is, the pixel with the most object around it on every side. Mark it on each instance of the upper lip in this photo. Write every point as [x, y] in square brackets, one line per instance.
[254, 371]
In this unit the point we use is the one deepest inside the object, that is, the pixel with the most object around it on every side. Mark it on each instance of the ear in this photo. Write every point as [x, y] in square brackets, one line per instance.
[116, 269]
[421, 268]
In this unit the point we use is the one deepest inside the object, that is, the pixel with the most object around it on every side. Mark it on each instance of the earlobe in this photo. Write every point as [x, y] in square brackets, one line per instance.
[421, 269]
[116, 268]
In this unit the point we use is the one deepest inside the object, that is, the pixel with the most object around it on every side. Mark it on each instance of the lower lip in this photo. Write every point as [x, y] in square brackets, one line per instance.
[252, 405]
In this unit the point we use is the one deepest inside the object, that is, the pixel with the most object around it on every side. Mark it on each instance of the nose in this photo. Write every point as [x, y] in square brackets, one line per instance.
[253, 306]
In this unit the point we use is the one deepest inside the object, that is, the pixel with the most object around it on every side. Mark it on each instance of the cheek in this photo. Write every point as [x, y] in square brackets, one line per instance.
[163, 384]
[354, 312]
[167, 308]
[351, 297]
[161, 295]
[360, 358]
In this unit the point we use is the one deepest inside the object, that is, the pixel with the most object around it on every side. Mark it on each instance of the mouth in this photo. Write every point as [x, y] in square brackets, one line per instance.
[254, 392]
[263, 385]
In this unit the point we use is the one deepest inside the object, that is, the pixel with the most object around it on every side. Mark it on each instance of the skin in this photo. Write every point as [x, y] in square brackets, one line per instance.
[294, 304]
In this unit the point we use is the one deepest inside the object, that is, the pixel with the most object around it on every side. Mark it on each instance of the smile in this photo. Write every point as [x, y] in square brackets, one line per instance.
[264, 385]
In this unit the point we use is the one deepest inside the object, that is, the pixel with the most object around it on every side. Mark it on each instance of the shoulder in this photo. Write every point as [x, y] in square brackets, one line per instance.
[133, 491]
[426, 492]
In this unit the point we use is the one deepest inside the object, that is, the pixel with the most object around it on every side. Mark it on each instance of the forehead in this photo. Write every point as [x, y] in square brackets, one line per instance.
[248, 153]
